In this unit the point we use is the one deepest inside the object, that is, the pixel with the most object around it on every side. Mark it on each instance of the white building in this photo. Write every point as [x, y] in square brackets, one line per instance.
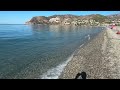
[57, 20]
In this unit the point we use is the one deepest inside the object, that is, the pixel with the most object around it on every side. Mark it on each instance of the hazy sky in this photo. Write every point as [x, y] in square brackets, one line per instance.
[20, 17]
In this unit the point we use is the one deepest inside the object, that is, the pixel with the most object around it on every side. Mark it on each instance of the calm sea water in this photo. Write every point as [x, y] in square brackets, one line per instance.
[31, 51]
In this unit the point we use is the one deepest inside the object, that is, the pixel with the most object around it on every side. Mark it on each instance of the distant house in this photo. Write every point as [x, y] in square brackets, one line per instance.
[56, 20]
[74, 23]
[67, 21]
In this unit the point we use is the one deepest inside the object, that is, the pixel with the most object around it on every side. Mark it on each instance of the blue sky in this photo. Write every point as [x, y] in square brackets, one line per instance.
[20, 17]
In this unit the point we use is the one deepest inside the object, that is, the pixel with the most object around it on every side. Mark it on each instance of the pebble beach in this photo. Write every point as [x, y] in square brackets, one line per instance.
[100, 58]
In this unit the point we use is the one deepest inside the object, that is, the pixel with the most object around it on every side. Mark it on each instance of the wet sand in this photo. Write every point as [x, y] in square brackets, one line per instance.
[100, 58]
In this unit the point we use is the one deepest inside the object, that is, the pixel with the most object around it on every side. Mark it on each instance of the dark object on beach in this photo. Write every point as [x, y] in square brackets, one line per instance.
[118, 32]
[82, 75]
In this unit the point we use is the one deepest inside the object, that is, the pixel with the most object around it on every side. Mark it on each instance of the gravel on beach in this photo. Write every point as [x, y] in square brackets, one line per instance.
[100, 58]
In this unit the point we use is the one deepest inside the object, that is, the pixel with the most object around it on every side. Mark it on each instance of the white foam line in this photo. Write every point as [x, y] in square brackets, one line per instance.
[81, 45]
[54, 73]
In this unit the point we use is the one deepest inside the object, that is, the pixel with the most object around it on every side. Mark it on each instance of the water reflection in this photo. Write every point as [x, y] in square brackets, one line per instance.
[55, 28]
[52, 30]
[39, 27]
[59, 28]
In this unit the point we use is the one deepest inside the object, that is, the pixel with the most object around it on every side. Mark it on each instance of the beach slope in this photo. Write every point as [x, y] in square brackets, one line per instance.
[100, 58]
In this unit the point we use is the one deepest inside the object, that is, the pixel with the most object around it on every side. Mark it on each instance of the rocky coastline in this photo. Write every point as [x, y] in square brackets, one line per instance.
[68, 19]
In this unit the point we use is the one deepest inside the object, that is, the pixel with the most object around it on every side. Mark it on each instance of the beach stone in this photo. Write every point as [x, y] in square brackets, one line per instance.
[100, 58]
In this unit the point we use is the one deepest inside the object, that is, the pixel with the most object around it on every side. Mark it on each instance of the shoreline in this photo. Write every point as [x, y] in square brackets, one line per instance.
[99, 58]
[55, 72]
[51, 74]
[67, 25]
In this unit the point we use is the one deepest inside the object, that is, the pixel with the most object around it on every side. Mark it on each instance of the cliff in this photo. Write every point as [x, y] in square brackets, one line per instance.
[68, 19]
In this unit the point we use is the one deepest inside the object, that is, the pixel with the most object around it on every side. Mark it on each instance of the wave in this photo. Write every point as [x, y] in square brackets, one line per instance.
[54, 73]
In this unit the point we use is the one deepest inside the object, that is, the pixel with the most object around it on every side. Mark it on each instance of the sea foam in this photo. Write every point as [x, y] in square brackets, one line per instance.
[54, 73]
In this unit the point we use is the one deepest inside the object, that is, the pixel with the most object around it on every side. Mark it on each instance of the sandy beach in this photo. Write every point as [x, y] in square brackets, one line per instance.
[100, 58]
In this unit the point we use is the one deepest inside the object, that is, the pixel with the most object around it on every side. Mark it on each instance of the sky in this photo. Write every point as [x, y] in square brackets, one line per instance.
[20, 17]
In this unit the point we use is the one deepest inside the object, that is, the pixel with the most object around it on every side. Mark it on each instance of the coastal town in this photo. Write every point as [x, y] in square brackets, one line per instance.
[88, 20]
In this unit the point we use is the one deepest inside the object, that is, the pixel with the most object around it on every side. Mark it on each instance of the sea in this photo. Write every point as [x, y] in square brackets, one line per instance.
[40, 51]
